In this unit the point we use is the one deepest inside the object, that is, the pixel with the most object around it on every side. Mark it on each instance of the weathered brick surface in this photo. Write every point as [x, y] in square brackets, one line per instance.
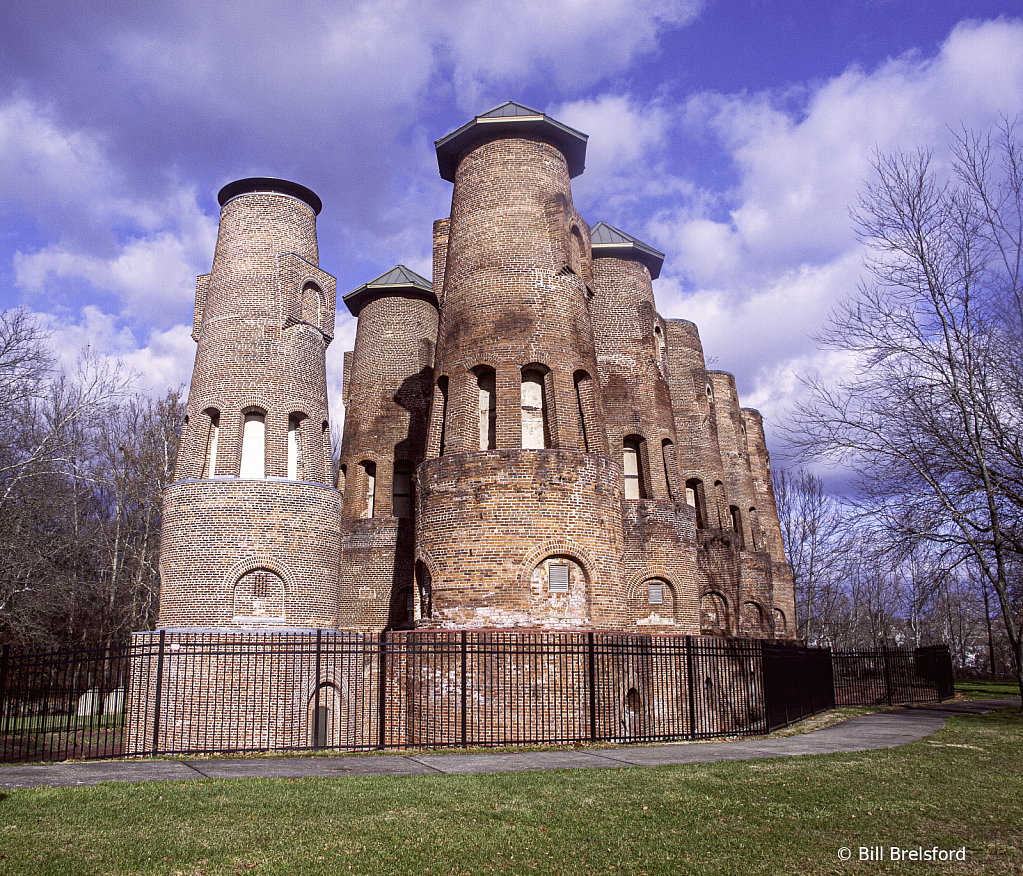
[497, 500]
[256, 552]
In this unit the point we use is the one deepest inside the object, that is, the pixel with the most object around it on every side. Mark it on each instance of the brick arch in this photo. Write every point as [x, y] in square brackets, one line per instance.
[433, 566]
[262, 561]
[560, 548]
[633, 585]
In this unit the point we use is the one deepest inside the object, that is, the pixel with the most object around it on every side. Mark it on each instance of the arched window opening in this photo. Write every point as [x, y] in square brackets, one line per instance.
[312, 305]
[754, 530]
[779, 622]
[209, 468]
[328, 452]
[296, 469]
[342, 478]
[253, 446]
[584, 399]
[486, 381]
[632, 467]
[370, 477]
[710, 391]
[662, 348]
[577, 248]
[751, 619]
[442, 389]
[536, 432]
[735, 521]
[713, 615]
[259, 594]
[670, 459]
[401, 504]
[694, 498]
[719, 491]
[424, 583]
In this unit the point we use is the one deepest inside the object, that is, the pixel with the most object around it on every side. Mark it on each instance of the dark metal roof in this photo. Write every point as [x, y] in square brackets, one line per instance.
[270, 184]
[511, 119]
[399, 282]
[606, 240]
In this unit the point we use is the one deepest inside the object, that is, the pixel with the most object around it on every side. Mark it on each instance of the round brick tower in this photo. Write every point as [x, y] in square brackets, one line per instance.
[519, 505]
[388, 380]
[251, 525]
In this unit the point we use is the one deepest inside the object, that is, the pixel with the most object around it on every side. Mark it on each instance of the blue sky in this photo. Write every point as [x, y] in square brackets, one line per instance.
[731, 134]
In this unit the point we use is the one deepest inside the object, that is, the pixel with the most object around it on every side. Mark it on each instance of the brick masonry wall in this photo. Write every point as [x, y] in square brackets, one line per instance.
[218, 532]
[633, 385]
[487, 522]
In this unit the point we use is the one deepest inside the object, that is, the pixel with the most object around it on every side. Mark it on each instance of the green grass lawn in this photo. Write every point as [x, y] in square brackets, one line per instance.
[981, 688]
[961, 787]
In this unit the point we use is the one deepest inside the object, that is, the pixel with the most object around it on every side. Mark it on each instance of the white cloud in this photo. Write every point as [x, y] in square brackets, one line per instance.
[761, 275]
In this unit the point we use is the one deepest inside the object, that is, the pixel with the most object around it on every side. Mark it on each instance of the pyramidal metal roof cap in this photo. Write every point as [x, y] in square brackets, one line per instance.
[255, 184]
[399, 282]
[510, 119]
[606, 240]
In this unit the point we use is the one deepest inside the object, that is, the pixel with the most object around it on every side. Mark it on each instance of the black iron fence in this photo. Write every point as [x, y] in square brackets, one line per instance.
[204, 692]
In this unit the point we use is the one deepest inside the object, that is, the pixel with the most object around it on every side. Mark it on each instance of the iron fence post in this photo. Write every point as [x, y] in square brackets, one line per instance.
[886, 663]
[382, 693]
[5, 653]
[593, 687]
[159, 689]
[465, 652]
[690, 685]
[317, 742]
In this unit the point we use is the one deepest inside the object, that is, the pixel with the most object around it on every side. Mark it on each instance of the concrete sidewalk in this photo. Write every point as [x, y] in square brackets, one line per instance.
[866, 733]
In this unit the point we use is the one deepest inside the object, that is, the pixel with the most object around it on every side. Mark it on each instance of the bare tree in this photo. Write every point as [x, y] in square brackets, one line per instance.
[930, 417]
[815, 532]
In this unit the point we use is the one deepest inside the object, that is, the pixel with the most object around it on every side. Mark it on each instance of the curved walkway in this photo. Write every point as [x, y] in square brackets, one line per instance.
[865, 733]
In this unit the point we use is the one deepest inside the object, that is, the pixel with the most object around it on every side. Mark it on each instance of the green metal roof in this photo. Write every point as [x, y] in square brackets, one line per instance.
[510, 119]
[606, 240]
[399, 281]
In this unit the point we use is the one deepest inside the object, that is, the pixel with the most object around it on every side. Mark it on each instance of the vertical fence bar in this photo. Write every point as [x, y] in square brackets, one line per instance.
[159, 690]
[885, 657]
[317, 742]
[382, 694]
[691, 686]
[592, 665]
[5, 655]
[465, 673]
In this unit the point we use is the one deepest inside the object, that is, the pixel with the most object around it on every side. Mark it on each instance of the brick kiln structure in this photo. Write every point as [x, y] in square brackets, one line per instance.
[528, 443]
[530, 452]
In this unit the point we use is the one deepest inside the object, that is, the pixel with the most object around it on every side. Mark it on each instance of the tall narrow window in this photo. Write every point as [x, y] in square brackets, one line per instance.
[754, 530]
[632, 465]
[735, 518]
[295, 469]
[584, 398]
[535, 426]
[662, 348]
[442, 401]
[670, 466]
[719, 489]
[401, 503]
[342, 478]
[254, 446]
[370, 474]
[486, 380]
[694, 487]
[328, 453]
[212, 439]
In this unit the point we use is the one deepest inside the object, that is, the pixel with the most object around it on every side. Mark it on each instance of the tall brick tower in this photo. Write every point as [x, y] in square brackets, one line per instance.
[519, 505]
[387, 385]
[251, 524]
